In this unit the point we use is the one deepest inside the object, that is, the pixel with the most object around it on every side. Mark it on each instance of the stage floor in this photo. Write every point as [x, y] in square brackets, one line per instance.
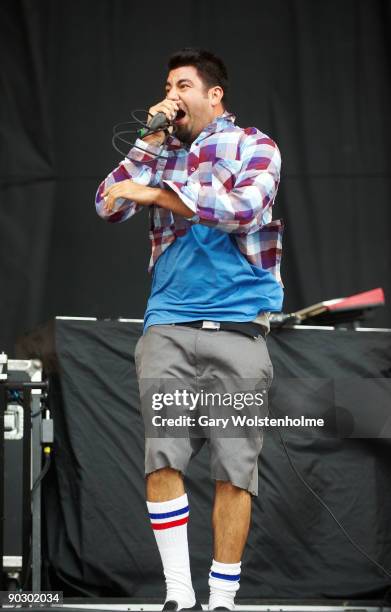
[253, 605]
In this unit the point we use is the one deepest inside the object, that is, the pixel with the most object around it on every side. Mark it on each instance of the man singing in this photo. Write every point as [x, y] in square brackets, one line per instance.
[210, 187]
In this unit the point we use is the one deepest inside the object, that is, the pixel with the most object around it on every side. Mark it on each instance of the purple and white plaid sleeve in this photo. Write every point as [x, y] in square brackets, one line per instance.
[141, 168]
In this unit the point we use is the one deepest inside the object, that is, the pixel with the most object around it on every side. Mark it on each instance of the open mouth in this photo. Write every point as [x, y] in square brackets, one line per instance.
[180, 114]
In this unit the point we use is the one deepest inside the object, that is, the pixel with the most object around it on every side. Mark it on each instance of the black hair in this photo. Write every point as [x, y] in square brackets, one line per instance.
[210, 68]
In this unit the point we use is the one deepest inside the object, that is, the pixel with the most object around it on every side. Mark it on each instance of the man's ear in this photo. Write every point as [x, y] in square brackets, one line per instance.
[215, 95]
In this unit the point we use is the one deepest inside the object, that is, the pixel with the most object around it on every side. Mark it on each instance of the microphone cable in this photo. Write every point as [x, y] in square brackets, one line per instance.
[140, 130]
[325, 506]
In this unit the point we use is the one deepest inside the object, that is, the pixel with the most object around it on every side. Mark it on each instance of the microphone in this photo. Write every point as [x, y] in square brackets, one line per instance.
[159, 121]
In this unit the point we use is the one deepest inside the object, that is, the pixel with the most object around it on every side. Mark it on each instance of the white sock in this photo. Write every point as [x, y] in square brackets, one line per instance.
[224, 582]
[169, 524]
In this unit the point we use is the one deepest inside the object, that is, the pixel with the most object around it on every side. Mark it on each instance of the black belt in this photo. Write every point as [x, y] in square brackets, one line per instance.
[247, 328]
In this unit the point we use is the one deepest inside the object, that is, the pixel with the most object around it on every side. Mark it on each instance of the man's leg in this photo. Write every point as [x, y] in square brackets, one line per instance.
[166, 354]
[231, 522]
[169, 512]
[164, 484]
[231, 363]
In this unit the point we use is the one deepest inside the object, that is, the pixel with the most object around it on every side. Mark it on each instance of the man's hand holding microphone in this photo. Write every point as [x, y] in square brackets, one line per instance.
[169, 108]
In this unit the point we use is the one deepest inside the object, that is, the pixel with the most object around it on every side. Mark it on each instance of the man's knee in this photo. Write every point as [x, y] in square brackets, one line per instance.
[226, 487]
[163, 474]
[164, 484]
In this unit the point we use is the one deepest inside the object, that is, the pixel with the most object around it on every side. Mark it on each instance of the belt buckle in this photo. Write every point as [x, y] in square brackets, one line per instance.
[210, 325]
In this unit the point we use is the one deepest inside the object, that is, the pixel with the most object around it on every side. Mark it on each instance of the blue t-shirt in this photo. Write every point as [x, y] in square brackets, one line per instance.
[203, 275]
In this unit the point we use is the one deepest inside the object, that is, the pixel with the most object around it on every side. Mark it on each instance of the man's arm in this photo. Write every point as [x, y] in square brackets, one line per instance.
[144, 196]
[140, 167]
[239, 210]
[237, 199]
[123, 208]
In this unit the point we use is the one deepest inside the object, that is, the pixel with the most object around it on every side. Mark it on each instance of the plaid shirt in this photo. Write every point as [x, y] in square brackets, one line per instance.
[228, 177]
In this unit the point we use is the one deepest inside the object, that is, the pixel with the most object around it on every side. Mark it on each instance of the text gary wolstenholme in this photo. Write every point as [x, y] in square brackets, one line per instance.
[237, 420]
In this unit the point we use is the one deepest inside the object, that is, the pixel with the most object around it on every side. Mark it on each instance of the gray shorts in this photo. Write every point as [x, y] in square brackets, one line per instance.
[204, 356]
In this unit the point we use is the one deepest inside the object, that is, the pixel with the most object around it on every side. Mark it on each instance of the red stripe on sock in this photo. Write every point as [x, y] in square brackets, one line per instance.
[171, 524]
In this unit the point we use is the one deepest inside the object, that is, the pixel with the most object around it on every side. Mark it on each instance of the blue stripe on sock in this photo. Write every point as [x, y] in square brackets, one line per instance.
[163, 515]
[225, 576]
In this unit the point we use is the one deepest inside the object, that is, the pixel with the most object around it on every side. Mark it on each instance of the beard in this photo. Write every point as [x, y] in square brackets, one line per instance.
[183, 134]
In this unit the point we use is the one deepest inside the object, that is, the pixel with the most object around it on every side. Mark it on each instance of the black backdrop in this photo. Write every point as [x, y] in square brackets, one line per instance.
[314, 75]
